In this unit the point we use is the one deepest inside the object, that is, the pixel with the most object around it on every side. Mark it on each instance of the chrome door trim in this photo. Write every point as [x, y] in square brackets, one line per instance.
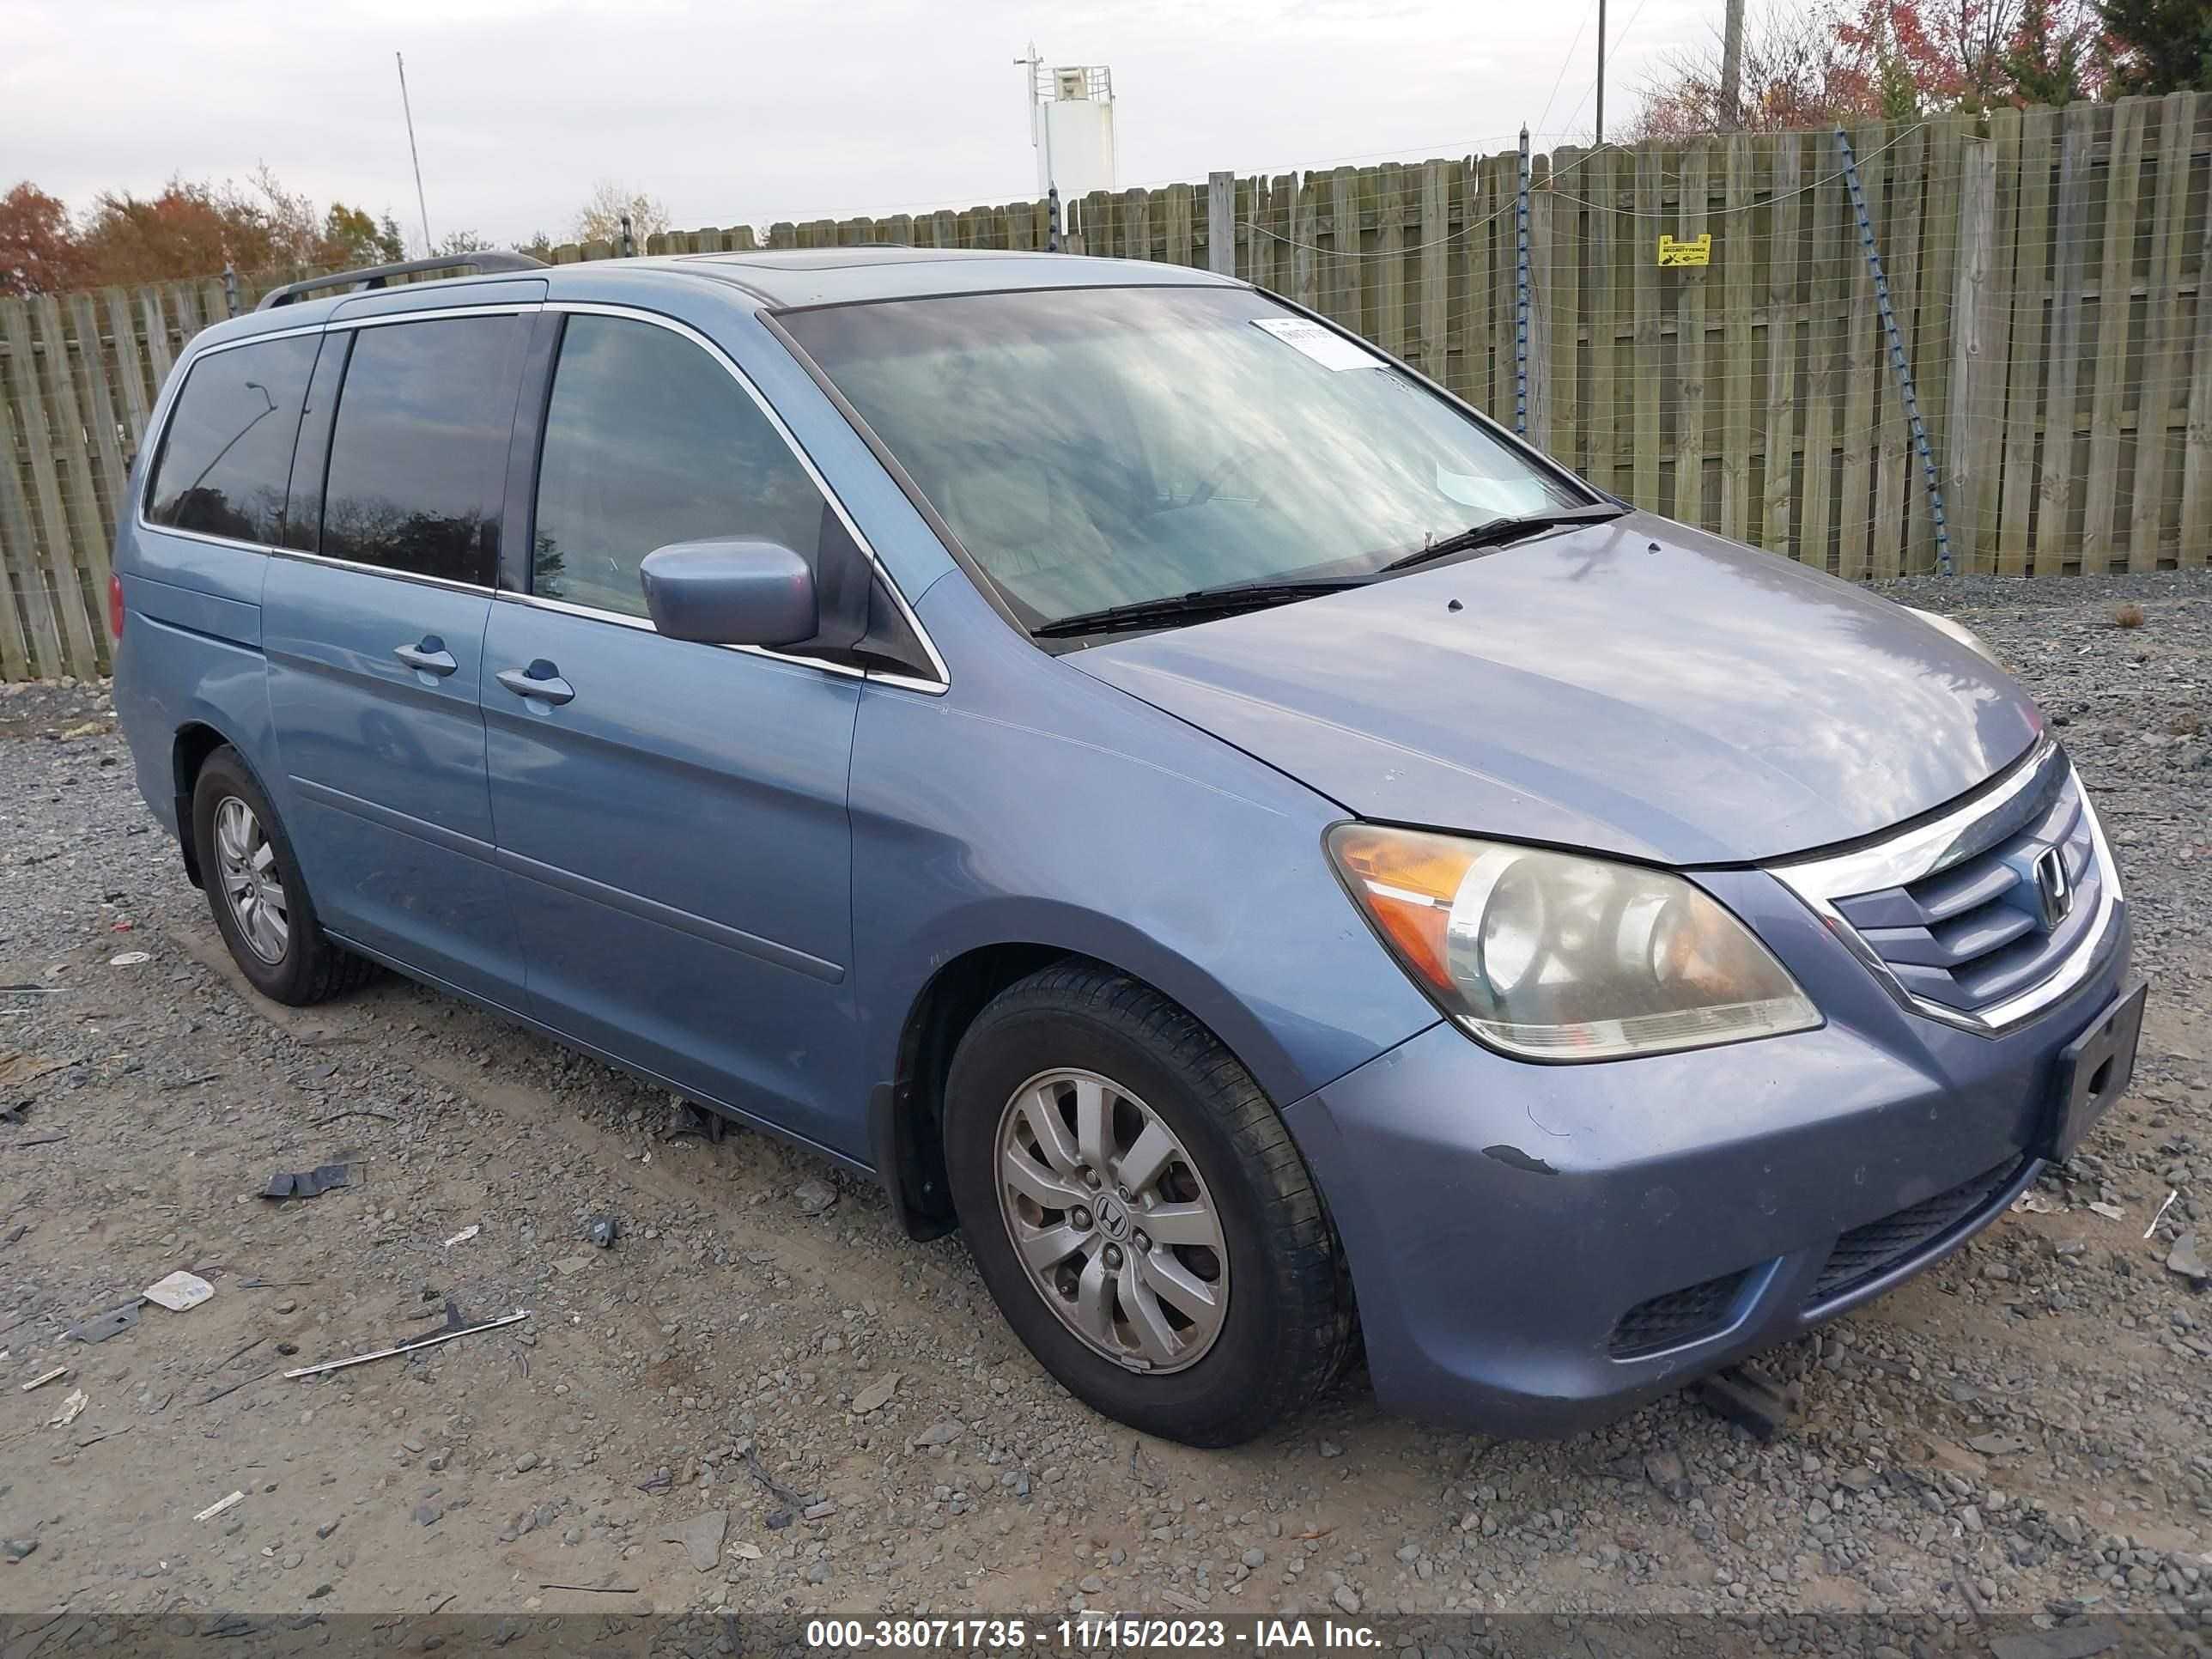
[418, 577]
[434, 313]
[644, 624]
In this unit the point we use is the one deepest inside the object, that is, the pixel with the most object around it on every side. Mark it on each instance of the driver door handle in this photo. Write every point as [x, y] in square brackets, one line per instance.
[541, 680]
[430, 657]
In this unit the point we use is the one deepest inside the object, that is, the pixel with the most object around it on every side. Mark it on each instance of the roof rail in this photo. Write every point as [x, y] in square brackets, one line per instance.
[374, 276]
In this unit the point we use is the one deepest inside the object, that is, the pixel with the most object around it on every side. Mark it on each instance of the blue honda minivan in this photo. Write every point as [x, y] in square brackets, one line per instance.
[1286, 869]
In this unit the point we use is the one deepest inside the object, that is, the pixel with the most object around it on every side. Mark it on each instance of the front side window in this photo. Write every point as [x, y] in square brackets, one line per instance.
[418, 452]
[227, 453]
[649, 440]
[1106, 446]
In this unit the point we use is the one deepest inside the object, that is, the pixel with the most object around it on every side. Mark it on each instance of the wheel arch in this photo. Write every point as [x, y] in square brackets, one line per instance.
[905, 1113]
[194, 741]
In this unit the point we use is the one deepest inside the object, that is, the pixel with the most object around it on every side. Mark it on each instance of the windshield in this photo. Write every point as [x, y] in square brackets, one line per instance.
[1093, 448]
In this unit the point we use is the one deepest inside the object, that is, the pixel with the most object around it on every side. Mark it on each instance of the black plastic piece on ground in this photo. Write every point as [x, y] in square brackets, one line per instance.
[704, 1121]
[310, 1183]
[1746, 1394]
[100, 1327]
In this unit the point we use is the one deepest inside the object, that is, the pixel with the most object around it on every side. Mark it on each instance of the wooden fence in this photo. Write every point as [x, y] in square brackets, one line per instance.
[2047, 270]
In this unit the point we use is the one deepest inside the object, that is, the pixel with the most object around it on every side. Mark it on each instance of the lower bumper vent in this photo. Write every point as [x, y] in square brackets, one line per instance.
[1866, 1253]
[1679, 1316]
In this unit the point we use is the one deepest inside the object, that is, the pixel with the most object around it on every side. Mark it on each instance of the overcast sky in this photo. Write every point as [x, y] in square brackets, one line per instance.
[746, 113]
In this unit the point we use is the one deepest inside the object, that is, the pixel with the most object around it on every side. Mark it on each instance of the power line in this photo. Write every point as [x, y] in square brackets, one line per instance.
[1562, 74]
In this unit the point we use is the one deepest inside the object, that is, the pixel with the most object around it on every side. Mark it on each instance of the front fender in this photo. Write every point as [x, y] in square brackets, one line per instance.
[1032, 804]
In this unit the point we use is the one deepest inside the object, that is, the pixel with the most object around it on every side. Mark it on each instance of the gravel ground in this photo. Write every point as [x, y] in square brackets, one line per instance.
[763, 1396]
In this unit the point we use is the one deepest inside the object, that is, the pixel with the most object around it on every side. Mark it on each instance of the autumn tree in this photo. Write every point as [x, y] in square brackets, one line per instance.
[351, 238]
[2054, 56]
[39, 254]
[1841, 61]
[187, 230]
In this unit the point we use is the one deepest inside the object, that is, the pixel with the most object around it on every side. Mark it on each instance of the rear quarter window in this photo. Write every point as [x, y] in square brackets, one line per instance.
[227, 454]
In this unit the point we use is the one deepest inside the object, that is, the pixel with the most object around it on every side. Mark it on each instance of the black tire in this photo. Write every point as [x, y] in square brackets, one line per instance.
[310, 967]
[1288, 1324]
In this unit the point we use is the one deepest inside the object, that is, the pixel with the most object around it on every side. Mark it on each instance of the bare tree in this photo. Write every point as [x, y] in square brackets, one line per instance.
[1794, 72]
[599, 220]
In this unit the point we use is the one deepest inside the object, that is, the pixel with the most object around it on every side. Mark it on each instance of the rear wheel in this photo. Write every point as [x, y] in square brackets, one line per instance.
[255, 890]
[1139, 1211]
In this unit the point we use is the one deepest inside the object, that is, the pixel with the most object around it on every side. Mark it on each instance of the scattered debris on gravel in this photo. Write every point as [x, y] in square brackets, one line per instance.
[765, 1397]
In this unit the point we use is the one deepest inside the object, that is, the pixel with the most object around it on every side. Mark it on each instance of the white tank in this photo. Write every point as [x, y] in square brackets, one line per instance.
[1072, 125]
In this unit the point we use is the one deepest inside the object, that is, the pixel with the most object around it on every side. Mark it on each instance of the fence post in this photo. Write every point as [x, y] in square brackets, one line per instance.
[1221, 223]
[1897, 361]
[1552, 287]
[1969, 454]
[230, 290]
[1521, 293]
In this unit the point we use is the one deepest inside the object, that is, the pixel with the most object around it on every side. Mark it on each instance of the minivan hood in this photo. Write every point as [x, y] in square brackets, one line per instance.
[1635, 687]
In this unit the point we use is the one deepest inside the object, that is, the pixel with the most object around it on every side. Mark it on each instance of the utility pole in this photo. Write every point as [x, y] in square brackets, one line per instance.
[1040, 118]
[414, 154]
[1601, 72]
[1731, 109]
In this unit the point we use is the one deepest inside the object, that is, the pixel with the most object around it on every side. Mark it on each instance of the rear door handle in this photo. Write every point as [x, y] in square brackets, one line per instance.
[541, 680]
[430, 657]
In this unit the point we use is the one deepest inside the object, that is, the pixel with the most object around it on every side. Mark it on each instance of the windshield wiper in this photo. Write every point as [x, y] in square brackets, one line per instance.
[1201, 602]
[1494, 532]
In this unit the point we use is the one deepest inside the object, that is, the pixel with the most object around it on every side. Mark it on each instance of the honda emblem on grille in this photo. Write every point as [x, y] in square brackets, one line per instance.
[2052, 888]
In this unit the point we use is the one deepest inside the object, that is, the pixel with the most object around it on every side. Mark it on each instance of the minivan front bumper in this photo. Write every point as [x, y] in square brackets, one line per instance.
[1537, 1249]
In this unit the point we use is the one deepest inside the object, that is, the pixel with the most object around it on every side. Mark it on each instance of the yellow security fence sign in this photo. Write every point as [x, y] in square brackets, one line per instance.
[1699, 252]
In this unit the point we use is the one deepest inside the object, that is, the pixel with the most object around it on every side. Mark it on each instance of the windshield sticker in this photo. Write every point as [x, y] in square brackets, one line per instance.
[1326, 347]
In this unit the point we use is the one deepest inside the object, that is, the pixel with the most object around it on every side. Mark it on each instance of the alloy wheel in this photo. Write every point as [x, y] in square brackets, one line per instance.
[251, 881]
[1112, 1221]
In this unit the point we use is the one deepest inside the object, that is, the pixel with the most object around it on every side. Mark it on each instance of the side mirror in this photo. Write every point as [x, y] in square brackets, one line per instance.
[733, 592]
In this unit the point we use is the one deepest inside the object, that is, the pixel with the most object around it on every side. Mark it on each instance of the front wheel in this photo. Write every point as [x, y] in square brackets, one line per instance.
[1139, 1211]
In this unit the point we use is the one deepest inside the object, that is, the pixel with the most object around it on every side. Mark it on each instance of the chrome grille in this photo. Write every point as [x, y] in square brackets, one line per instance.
[1956, 916]
[1977, 932]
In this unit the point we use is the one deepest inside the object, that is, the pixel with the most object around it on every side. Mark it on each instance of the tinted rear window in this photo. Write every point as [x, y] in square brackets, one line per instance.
[228, 449]
[418, 453]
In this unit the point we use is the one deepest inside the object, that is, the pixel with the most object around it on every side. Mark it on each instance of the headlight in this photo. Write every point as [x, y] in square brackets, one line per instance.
[1958, 631]
[1549, 956]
